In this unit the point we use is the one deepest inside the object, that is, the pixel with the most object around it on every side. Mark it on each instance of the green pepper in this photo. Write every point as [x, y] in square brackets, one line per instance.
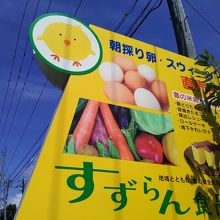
[69, 145]
[113, 150]
[130, 142]
[101, 149]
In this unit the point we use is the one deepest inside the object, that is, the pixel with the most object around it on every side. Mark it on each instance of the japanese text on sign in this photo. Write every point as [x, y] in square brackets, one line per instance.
[129, 50]
[120, 192]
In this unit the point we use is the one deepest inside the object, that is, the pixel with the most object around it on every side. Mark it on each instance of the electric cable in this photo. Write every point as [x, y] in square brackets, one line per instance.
[31, 148]
[26, 155]
[23, 169]
[19, 99]
[18, 103]
[138, 17]
[25, 82]
[14, 56]
[26, 127]
[130, 10]
[11, 101]
[145, 17]
[49, 5]
[79, 5]
[22, 62]
[203, 17]
[26, 166]
[27, 41]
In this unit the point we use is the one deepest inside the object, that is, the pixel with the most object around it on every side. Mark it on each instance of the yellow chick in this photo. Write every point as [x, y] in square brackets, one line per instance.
[67, 41]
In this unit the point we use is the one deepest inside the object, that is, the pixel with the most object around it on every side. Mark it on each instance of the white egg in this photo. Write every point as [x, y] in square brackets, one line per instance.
[147, 72]
[111, 72]
[144, 98]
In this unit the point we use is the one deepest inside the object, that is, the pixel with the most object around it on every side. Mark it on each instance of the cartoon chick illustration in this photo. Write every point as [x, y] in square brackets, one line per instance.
[67, 41]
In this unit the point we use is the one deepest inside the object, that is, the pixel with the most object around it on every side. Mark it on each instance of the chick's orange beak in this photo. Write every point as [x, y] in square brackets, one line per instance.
[67, 42]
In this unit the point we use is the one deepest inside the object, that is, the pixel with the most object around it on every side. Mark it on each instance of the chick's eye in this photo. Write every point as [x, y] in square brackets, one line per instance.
[74, 39]
[60, 34]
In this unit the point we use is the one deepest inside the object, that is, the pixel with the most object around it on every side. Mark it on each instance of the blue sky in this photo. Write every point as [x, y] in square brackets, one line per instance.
[27, 109]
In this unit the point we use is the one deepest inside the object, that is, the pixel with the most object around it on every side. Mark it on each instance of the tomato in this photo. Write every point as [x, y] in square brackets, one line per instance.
[148, 147]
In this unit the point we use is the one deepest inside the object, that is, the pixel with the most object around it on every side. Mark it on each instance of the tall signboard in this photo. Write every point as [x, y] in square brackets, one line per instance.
[128, 140]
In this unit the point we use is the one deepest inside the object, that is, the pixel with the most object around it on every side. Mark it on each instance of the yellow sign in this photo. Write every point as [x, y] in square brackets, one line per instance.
[128, 141]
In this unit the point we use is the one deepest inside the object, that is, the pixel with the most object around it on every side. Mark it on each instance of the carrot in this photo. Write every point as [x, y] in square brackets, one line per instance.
[83, 130]
[114, 131]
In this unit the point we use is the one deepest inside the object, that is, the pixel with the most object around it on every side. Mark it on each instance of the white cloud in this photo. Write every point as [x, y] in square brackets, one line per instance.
[33, 90]
[15, 199]
[28, 172]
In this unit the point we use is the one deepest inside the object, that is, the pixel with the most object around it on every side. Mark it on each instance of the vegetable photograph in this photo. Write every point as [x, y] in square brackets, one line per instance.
[110, 131]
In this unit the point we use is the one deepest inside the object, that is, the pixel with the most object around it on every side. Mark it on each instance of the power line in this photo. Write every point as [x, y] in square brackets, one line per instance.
[130, 10]
[43, 133]
[27, 41]
[12, 99]
[145, 17]
[138, 17]
[48, 7]
[21, 185]
[31, 148]
[23, 169]
[18, 103]
[24, 158]
[79, 5]
[19, 99]
[20, 69]
[203, 17]
[14, 56]
[23, 87]
[26, 165]
[24, 131]
[22, 62]
[21, 96]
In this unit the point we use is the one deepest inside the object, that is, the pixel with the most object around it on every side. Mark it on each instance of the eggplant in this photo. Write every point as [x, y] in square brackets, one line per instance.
[99, 132]
[122, 116]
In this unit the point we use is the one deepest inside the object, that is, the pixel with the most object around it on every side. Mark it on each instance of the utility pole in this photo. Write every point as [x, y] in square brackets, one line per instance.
[22, 186]
[6, 187]
[181, 28]
[2, 164]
